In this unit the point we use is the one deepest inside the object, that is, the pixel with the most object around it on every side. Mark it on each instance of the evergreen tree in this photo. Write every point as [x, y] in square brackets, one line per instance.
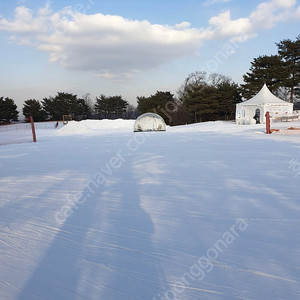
[162, 103]
[79, 109]
[65, 104]
[201, 103]
[228, 95]
[8, 110]
[101, 106]
[289, 52]
[110, 107]
[207, 98]
[265, 69]
[280, 72]
[33, 108]
[56, 107]
[118, 106]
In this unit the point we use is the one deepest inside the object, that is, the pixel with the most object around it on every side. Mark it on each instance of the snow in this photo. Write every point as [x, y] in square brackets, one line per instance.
[94, 126]
[203, 211]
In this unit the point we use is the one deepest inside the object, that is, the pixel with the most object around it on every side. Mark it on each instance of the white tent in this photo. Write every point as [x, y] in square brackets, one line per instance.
[149, 122]
[253, 110]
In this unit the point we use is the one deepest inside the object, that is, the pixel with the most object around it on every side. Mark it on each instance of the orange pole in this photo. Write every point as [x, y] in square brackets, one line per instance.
[33, 129]
[268, 129]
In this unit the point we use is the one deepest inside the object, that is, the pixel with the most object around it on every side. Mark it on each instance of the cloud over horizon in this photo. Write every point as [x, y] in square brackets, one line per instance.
[110, 44]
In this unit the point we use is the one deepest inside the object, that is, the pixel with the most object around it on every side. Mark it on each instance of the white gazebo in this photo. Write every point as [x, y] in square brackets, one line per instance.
[253, 110]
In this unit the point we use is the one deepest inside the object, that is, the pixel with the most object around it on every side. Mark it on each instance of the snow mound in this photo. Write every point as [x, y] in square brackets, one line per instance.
[96, 127]
[73, 127]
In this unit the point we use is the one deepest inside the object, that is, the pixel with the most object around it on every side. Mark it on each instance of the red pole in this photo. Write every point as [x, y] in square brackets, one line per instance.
[33, 129]
[268, 129]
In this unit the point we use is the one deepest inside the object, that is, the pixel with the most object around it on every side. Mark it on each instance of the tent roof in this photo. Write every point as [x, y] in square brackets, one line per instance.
[264, 96]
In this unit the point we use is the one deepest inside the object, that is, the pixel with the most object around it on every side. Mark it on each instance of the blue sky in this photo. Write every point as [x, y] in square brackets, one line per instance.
[133, 48]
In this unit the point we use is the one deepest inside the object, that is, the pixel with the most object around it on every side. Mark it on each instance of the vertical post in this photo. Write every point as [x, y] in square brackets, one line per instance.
[33, 129]
[268, 129]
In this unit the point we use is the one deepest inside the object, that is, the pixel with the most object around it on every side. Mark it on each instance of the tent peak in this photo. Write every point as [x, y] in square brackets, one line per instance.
[263, 96]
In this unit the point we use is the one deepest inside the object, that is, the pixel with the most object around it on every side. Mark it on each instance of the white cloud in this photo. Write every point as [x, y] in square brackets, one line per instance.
[183, 25]
[225, 27]
[112, 45]
[104, 43]
[297, 14]
[25, 22]
[117, 77]
[265, 16]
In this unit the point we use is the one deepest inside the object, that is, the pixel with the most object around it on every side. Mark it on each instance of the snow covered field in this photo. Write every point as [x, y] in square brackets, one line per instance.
[205, 211]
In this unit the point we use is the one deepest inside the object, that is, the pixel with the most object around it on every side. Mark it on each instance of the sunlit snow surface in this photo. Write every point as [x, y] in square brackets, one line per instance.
[204, 211]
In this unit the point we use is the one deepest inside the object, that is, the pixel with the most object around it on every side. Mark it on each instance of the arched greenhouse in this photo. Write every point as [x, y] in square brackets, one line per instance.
[149, 122]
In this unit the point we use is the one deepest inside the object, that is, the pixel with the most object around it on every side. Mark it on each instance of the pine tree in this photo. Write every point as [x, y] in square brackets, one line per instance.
[207, 98]
[201, 103]
[289, 52]
[8, 110]
[267, 70]
[111, 107]
[65, 104]
[279, 72]
[33, 108]
[161, 103]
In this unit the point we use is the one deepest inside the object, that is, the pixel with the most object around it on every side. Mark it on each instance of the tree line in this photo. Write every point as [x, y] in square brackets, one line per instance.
[202, 97]
[54, 108]
[281, 72]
